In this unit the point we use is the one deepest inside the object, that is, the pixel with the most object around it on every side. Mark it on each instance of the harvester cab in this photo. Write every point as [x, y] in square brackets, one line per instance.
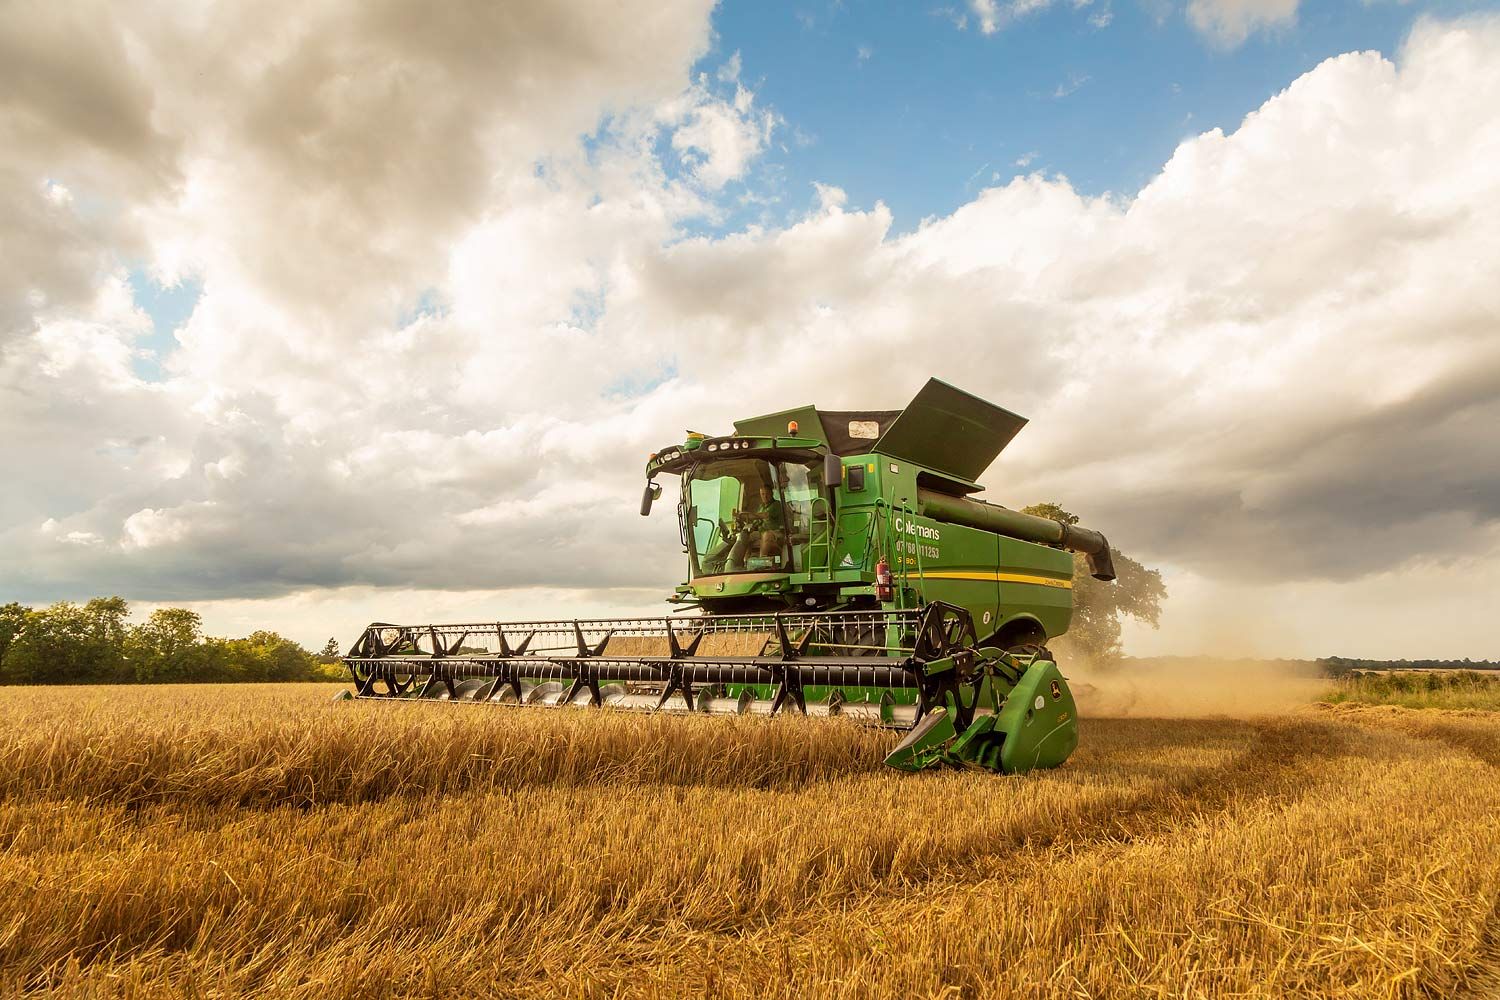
[838, 564]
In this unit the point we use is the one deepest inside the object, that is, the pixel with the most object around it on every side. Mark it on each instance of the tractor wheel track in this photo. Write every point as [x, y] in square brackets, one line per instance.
[1285, 758]
[1449, 730]
[1480, 979]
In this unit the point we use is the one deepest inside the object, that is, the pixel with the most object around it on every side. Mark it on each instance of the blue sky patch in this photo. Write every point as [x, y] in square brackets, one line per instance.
[633, 385]
[898, 103]
[169, 306]
[428, 304]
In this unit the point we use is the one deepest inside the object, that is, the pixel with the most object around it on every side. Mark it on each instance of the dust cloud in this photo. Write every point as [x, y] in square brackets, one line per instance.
[1182, 687]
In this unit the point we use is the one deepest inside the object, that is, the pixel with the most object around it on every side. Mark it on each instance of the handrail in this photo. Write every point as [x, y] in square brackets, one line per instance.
[826, 544]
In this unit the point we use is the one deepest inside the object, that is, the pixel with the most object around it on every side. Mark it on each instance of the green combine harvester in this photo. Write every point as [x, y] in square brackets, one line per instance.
[838, 564]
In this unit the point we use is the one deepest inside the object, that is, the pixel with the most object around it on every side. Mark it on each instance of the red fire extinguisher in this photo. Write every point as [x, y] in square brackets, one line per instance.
[885, 585]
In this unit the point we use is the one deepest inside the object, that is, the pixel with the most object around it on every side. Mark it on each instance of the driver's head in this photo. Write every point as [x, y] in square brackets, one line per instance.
[765, 492]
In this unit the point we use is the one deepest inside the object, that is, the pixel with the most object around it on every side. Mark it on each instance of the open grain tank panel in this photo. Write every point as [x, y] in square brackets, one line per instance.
[837, 564]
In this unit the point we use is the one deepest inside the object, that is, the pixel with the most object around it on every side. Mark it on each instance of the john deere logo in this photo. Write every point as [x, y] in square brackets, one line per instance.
[1056, 690]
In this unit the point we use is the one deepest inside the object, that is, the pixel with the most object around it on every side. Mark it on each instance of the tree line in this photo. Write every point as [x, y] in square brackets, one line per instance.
[96, 643]
[1338, 666]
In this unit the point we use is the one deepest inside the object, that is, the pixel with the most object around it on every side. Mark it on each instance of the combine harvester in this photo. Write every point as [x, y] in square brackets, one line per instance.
[837, 565]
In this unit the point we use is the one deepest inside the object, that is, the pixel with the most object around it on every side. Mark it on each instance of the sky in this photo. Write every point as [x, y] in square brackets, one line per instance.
[312, 315]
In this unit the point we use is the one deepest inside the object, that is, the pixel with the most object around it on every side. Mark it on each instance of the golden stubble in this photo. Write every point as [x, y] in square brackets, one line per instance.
[235, 841]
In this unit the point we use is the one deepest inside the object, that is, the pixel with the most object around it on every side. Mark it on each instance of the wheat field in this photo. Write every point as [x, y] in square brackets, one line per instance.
[262, 840]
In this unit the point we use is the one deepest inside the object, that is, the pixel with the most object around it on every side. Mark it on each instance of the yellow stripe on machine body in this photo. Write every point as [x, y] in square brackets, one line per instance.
[1043, 581]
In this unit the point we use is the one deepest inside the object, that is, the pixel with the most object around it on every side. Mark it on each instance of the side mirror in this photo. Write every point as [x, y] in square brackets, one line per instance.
[653, 490]
[833, 470]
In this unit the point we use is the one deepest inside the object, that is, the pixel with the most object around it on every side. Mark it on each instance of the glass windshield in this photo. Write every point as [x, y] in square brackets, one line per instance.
[748, 515]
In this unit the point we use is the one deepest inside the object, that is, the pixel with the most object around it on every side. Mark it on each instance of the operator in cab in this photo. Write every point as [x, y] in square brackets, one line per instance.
[768, 529]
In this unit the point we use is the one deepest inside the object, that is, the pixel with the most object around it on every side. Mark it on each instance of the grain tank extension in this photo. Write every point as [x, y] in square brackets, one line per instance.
[838, 563]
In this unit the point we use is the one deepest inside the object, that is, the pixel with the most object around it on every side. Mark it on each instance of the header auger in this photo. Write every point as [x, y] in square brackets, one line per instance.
[837, 565]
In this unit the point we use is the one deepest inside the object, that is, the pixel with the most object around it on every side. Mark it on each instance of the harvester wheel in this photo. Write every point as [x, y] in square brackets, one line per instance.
[861, 639]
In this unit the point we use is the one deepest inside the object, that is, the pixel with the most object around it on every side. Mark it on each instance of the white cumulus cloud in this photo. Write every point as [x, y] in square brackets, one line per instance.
[1229, 22]
[449, 305]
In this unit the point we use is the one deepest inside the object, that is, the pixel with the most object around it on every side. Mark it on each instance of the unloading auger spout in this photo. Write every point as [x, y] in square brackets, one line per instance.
[837, 566]
[1014, 524]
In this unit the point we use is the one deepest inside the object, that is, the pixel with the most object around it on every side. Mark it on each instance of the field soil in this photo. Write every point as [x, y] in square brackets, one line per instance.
[261, 840]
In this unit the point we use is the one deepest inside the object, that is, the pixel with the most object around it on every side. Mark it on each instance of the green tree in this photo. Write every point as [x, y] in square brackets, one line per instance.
[68, 644]
[94, 642]
[168, 647]
[331, 651]
[1098, 607]
[12, 618]
[266, 656]
[107, 624]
